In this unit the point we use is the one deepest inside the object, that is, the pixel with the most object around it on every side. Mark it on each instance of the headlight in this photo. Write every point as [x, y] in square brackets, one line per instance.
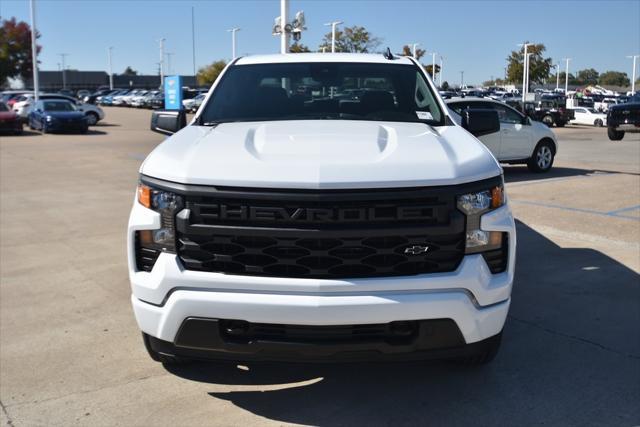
[167, 204]
[49, 118]
[474, 205]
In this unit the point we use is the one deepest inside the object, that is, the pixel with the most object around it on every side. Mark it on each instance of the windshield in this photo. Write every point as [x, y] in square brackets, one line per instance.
[347, 91]
[592, 110]
[58, 106]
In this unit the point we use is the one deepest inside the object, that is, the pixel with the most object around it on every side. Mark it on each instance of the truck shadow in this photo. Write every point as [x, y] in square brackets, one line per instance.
[520, 173]
[570, 356]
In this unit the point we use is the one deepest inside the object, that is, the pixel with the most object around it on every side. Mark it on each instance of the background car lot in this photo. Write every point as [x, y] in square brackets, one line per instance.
[571, 351]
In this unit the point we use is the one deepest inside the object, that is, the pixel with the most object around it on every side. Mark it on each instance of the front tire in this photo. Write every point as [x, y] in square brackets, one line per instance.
[548, 120]
[542, 158]
[92, 119]
[165, 359]
[615, 135]
[598, 123]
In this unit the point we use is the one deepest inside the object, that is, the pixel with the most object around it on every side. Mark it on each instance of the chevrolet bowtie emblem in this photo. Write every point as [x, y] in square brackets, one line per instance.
[416, 250]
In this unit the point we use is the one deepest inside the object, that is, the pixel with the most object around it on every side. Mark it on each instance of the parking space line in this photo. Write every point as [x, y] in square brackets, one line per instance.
[630, 208]
[568, 208]
[562, 178]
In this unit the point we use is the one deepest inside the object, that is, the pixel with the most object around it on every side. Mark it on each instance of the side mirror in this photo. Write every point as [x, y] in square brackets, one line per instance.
[168, 122]
[480, 122]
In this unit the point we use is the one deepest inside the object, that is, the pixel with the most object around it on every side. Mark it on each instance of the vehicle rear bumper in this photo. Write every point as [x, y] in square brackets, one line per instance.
[626, 127]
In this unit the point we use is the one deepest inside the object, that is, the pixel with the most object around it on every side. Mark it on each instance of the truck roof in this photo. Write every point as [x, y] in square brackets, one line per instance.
[370, 58]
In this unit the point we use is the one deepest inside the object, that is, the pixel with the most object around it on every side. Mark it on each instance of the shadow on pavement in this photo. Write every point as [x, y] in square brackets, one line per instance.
[570, 356]
[519, 173]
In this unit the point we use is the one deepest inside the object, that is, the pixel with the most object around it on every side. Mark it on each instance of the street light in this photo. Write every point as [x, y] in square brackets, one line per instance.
[557, 76]
[566, 76]
[527, 73]
[333, 34]
[34, 51]
[440, 73]
[633, 73]
[525, 66]
[64, 70]
[413, 49]
[461, 79]
[233, 32]
[162, 61]
[169, 55]
[109, 49]
[433, 66]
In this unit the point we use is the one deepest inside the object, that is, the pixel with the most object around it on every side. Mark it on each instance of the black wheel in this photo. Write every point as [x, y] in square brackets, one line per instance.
[615, 135]
[548, 120]
[92, 118]
[487, 353]
[542, 158]
[165, 359]
[598, 123]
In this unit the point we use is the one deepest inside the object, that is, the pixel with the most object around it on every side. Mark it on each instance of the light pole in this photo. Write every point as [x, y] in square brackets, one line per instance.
[440, 73]
[233, 32]
[284, 18]
[566, 76]
[34, 51]
[413, 49]
[193, 39]
[527, 73]
[333, 34]
[162, 61]
[64, 70]
[109, 49]
[557, 76]
[461, 79]
[633, 73]
[433, 66]
[525, 65]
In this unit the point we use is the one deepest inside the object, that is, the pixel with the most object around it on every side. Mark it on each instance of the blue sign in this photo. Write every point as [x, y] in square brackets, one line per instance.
[173, 93]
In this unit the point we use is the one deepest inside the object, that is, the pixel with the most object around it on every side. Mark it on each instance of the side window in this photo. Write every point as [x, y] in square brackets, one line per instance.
[459, 107]
[507, 115]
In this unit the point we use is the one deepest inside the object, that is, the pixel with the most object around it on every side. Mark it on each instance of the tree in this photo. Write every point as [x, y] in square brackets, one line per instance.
[207, 75]
[406, 51]
[299, 48]
[572, 79]
[15, 50]
[445, 85]
[352, 39]
[129, 71]
[538, 66]
[587, 77]
[614, 78]
[428, 68]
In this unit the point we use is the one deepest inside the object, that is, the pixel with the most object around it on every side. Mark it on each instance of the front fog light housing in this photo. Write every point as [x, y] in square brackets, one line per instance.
[480, 241]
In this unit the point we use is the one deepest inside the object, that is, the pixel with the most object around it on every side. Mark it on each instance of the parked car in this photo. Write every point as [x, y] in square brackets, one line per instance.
[82, 94]
[9, 120]
[520, 140]
[9, 96]
[139, 100]
[93, 98]
[57, 115]
[588, 116]
[623, 118]
[155, 102]
[548, 111]
[93, 112]
[270, 228]
[66, 92]
[194, 103]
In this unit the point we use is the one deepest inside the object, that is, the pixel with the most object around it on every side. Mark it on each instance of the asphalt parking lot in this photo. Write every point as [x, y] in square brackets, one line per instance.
[71, 353]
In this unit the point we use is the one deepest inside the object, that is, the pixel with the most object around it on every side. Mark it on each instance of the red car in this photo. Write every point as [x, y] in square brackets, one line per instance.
[9, 120]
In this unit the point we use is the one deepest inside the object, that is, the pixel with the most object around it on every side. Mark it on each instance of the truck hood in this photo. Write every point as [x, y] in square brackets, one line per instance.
[321, 154]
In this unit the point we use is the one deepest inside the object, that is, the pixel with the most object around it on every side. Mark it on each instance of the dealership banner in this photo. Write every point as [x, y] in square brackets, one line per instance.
[173, 93]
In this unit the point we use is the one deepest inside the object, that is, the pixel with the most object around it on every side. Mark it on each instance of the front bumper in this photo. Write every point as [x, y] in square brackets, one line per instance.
[471, 296]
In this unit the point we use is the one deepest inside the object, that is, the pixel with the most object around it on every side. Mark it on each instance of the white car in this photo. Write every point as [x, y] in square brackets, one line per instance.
[520, 140]
[194, 103]
[285, 223]
[138, 100]
[25, 104]
[588, 116]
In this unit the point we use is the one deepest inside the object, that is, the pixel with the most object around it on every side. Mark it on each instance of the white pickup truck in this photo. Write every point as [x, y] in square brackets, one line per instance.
[322, 206]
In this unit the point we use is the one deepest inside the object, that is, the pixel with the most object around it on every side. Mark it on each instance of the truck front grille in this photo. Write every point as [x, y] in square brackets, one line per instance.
[322, 234]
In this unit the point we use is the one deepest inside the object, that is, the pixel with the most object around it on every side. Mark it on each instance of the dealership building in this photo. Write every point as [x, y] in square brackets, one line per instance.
[92, 80]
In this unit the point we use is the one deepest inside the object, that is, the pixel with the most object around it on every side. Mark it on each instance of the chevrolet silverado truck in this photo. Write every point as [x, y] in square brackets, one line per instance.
[622, 118]
[321, 207]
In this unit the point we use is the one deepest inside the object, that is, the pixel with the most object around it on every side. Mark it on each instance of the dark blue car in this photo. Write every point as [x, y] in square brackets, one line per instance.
[57, 115]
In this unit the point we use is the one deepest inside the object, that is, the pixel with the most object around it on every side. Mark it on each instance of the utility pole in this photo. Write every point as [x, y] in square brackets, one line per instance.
[528, 55]
[525, 67]
[193, 39]
[633, 73]
[109, 49]
[566, 76]
[333, 34]
[162, 62]
[34, 51]
[64, 70]
[440, 73]
[284, 18]
[233, 32]
[413, 49]
[461, 79]
[557, 76]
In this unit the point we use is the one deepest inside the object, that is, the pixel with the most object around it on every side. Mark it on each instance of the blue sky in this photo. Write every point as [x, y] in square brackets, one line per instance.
[474, 36]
